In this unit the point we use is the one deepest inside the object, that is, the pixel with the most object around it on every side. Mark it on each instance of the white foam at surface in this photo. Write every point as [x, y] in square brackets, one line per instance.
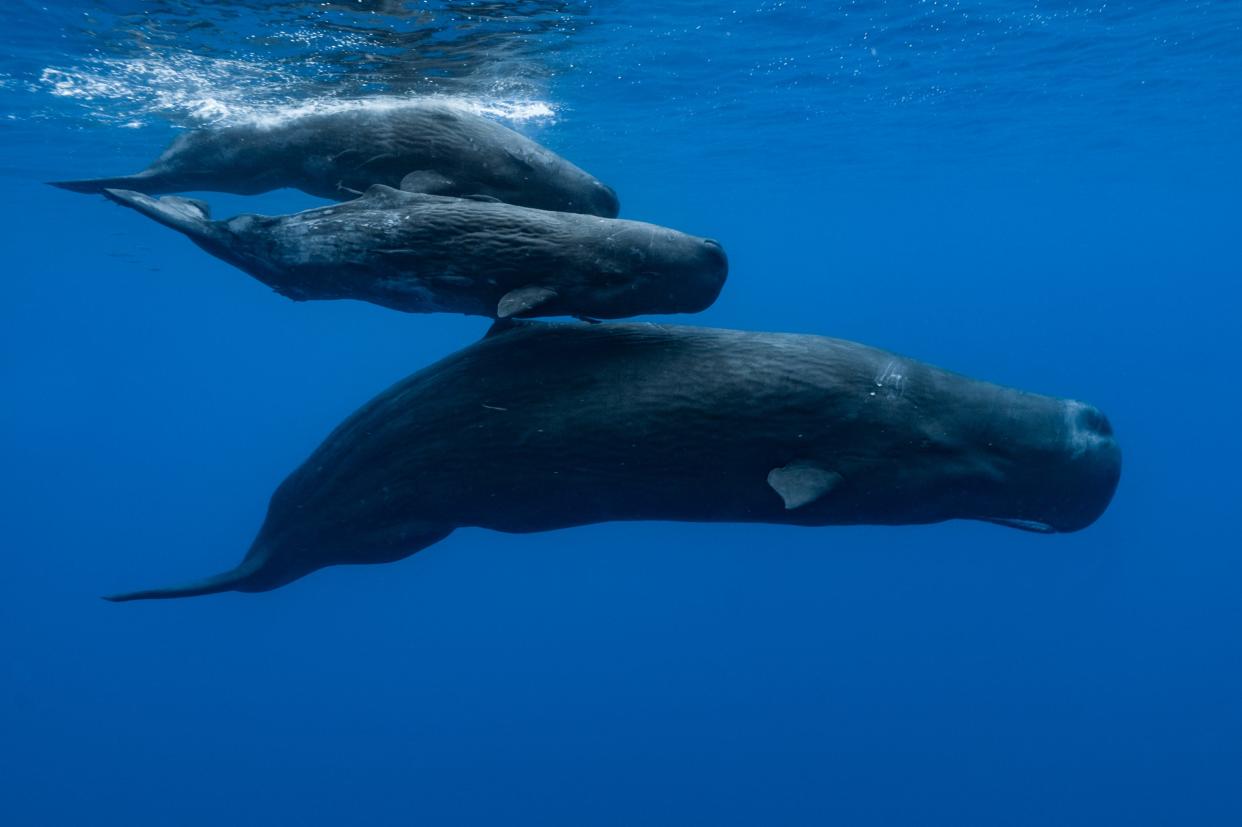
[509, 110]
[192, 90]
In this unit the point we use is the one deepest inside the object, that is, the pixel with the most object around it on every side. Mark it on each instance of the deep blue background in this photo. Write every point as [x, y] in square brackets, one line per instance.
[1049, 220]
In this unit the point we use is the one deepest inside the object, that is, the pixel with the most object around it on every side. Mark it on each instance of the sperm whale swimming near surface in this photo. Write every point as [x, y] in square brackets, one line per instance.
[427, 253]
[545, 426]
[426, 146]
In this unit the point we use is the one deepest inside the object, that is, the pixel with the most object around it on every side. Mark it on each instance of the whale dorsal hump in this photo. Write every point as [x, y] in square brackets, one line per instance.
[802, 482]
[523, 300]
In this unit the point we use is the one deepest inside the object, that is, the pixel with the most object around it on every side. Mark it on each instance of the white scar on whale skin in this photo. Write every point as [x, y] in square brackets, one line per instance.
[891, 380]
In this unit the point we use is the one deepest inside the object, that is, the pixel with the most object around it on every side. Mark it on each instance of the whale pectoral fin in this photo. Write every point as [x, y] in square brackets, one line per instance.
[426, 182]
[523, 300]
[802, 482]
[486, 199]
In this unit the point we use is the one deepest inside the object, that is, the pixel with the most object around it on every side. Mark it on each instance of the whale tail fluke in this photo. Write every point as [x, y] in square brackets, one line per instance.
[235, 580]
[96, 186]
[188, 215]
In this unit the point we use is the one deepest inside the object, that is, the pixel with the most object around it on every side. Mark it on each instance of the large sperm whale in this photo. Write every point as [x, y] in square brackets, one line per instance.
[426, 146]
[544, 426]
[428, 253]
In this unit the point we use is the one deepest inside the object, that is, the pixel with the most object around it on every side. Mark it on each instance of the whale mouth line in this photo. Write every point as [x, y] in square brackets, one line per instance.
[1024, 525]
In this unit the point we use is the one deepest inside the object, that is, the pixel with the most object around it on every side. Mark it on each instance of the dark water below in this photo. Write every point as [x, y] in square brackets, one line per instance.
[1039, 194]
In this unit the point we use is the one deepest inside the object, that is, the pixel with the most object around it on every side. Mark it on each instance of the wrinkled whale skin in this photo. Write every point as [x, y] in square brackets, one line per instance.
[425, 253]
[434, 147]
[545, 426]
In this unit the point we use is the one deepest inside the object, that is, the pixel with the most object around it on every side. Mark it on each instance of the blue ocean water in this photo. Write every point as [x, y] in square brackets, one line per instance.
[1042, 194]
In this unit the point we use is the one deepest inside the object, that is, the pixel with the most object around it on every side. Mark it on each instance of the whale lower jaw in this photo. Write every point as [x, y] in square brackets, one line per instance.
[1025, 525]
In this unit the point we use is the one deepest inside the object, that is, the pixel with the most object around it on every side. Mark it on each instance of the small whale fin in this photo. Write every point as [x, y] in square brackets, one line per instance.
[189, 215]
[427, 182]
[485, 199]
[802, 482]
[386, 196]
[523, 300]
[96, 186]
[229, 581]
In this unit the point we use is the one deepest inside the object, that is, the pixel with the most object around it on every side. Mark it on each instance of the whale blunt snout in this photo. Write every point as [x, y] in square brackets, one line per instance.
[1094, 465]
[1071, 481]
[1088, 422]
[708, 268]
[717, 263]
[605, 201]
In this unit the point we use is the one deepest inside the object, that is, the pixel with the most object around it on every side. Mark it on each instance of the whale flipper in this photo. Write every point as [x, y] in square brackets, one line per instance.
[523, 300]
[427, 182]
[189, 215]
[802, 482]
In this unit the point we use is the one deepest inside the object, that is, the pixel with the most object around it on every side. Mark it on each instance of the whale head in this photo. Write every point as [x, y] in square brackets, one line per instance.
[523, 172]
[1004, 456]
[1062, 472]
[586, 194]
[642, 268]
[899, 442]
